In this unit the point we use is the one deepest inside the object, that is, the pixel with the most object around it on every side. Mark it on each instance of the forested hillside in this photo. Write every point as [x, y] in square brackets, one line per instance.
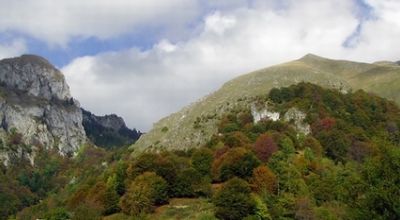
[345, 166]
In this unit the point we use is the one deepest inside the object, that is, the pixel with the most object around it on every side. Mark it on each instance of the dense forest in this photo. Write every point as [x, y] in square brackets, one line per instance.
[347, 167]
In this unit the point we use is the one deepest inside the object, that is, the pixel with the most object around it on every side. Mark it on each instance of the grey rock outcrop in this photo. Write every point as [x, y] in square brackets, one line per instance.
[35, 102]
[34, 76]
[297, 117]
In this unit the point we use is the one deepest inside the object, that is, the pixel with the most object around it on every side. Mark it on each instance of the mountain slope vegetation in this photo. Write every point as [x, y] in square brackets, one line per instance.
[344, 167]
[194, 124]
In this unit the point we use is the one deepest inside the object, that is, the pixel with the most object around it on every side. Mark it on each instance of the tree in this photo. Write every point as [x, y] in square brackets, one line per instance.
[264, 147]
[145, 191]
[263, 180]
[234, 201]
[111, 197]
[236, 139]
[314, 145]
[145, 162]
[189, 183]
[120, 173]
[336, 143]
[238, 162]
[202, 160]
[381, 200]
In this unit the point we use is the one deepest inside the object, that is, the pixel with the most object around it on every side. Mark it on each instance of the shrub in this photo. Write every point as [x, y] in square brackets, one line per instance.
[57, 214]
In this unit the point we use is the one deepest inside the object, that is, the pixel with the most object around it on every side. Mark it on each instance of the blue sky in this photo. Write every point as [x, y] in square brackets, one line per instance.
[145, 60]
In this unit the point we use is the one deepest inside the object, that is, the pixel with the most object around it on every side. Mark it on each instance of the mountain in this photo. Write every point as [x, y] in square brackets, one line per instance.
[264, 151]
[108, 131]
[36, 110]
[316, 153]
[193, 125]
[46, 139]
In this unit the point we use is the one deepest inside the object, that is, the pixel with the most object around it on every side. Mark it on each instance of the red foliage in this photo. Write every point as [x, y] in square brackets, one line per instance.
[324, 124]
[264, 147]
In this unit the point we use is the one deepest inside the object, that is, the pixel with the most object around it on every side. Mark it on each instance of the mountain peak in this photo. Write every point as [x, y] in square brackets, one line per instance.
[35, 76]
[311, 56]
[28, 58]
[36, 103]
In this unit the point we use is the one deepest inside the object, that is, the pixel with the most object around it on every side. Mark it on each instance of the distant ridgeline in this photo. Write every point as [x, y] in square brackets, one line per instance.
[108, 131]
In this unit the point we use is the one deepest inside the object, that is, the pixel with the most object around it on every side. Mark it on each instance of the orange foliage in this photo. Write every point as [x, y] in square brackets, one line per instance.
[263, 180]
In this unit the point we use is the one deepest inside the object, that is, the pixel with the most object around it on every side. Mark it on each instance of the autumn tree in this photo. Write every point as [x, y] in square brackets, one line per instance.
[264, 147]
[145, 191]
[238, 162]
[263, 180]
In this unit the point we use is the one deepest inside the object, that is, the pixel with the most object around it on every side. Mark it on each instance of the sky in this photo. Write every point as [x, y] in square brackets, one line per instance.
[144, 60]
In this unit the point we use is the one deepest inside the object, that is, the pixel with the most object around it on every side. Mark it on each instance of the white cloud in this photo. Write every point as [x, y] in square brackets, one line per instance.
[57, 22]
[380, 37]
[143, 86]
[14, 48]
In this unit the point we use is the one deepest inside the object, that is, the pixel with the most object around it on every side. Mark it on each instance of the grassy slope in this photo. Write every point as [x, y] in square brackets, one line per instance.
[178, 130]
[178, 208]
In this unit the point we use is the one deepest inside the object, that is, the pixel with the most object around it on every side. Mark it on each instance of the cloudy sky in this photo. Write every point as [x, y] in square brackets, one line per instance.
[146, 59]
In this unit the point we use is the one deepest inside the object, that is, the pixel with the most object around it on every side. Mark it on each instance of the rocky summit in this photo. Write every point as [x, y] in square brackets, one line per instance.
[36, 110]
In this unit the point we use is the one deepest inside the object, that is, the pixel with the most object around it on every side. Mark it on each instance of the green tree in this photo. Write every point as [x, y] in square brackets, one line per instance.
[238, 162]
[202, 160]
[111, 195]
[191, 183]
[234, 200]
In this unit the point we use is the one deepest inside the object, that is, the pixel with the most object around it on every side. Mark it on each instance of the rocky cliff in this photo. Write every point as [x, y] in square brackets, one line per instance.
[36, 110]
[108, 131]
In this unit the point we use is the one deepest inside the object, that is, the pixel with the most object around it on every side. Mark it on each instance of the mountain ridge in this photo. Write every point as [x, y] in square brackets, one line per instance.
[193, 124]
[108, 131]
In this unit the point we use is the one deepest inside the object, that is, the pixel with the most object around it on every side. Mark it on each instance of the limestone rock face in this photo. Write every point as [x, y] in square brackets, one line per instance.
[34, 76]
[35, 102]
[297, 117]
[263, 113]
